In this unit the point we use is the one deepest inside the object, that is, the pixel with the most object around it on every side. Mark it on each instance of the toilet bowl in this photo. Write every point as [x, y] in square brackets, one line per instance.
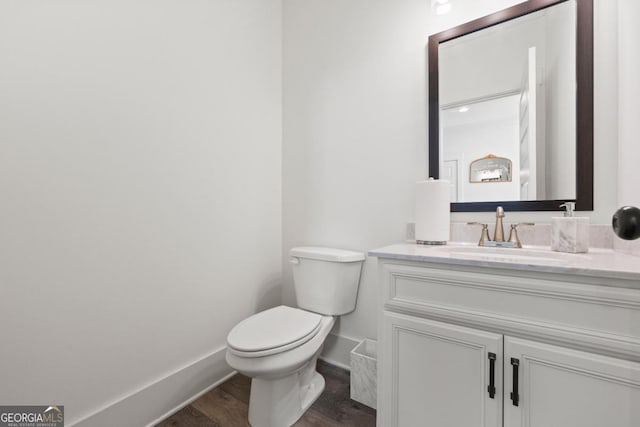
[284, 382]
[278, 348]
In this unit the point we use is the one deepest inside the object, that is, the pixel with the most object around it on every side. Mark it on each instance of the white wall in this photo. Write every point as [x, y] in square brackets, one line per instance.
[471, 140]
[629, 148]
[140, 173]
[354, 130]
[629, 111]
[559, 107]
[355, 126]
[472, 68]
[489, 127]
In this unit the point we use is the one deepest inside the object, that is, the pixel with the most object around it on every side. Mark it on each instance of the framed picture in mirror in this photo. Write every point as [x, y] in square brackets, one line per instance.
[490, 169]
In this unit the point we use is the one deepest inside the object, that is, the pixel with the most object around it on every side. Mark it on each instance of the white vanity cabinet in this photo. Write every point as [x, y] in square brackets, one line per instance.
[464, 345]
[561, 387]
[435, 374]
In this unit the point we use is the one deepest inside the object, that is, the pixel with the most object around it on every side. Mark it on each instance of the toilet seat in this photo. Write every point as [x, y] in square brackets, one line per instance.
[273, 331]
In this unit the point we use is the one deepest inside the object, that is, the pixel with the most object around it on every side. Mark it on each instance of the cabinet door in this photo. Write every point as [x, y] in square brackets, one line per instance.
[559, 387]
[435, 374]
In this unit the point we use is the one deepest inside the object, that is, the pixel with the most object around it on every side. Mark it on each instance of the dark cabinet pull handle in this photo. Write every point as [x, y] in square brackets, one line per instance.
[492, 375]
[515, 397]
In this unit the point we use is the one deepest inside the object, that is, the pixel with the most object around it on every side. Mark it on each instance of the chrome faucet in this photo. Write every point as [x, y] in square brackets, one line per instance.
[498, 234]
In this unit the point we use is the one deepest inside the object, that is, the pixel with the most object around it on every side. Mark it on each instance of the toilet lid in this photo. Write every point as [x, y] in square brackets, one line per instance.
[279, 327]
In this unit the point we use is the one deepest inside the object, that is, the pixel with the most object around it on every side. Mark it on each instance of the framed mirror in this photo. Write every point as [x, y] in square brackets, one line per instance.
[517, 84]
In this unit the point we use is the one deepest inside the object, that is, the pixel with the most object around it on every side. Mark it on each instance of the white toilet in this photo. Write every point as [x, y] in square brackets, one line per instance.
[278, 348]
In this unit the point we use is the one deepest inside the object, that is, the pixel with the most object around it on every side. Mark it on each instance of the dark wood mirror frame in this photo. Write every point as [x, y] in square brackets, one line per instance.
[584, 105]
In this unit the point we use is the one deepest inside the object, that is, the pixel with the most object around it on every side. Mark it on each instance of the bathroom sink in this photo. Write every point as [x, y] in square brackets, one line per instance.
[522, 256]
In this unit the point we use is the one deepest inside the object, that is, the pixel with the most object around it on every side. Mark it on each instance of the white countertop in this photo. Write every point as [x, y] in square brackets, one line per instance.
[597, 262]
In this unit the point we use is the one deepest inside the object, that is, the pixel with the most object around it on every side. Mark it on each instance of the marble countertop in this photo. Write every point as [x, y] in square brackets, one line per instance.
[596, 263]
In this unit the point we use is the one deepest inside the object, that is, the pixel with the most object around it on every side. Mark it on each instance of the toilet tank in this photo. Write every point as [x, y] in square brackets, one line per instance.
[326, 280]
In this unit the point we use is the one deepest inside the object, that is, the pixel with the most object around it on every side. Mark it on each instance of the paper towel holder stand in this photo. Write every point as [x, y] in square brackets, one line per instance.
[431, 242]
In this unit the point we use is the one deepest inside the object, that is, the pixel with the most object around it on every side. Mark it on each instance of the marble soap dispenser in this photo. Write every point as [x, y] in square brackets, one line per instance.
[570, 233]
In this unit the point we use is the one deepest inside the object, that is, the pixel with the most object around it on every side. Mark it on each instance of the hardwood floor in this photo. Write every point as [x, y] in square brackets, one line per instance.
[227, 405]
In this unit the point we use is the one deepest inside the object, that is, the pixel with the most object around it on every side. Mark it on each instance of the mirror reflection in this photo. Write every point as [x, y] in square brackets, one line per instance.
[509, 91]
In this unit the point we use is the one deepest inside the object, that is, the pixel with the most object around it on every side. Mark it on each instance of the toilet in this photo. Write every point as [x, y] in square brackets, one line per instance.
[278, 348]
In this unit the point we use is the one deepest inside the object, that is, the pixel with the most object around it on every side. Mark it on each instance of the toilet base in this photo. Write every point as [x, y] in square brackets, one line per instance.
[281, 402]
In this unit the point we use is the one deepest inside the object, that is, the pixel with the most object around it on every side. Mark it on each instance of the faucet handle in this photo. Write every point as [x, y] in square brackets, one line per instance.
[513, 234]
[484, 237]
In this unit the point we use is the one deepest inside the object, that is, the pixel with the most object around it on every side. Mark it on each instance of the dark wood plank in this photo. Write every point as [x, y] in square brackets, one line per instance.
[188, 417]
[335, 402]
[223, 408]
[311, 418]
[326, 369]
[228, 405]
[239, 387]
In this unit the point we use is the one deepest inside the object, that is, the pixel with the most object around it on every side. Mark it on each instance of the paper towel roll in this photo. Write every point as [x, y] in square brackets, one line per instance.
[433, 211]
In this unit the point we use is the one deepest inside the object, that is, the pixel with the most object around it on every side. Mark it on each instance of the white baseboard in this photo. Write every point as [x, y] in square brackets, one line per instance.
[158, 400]
[337, 350]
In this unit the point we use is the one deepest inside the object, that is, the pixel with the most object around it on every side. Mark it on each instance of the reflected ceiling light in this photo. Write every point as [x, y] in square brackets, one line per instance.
[441, 7]
[463, 109]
